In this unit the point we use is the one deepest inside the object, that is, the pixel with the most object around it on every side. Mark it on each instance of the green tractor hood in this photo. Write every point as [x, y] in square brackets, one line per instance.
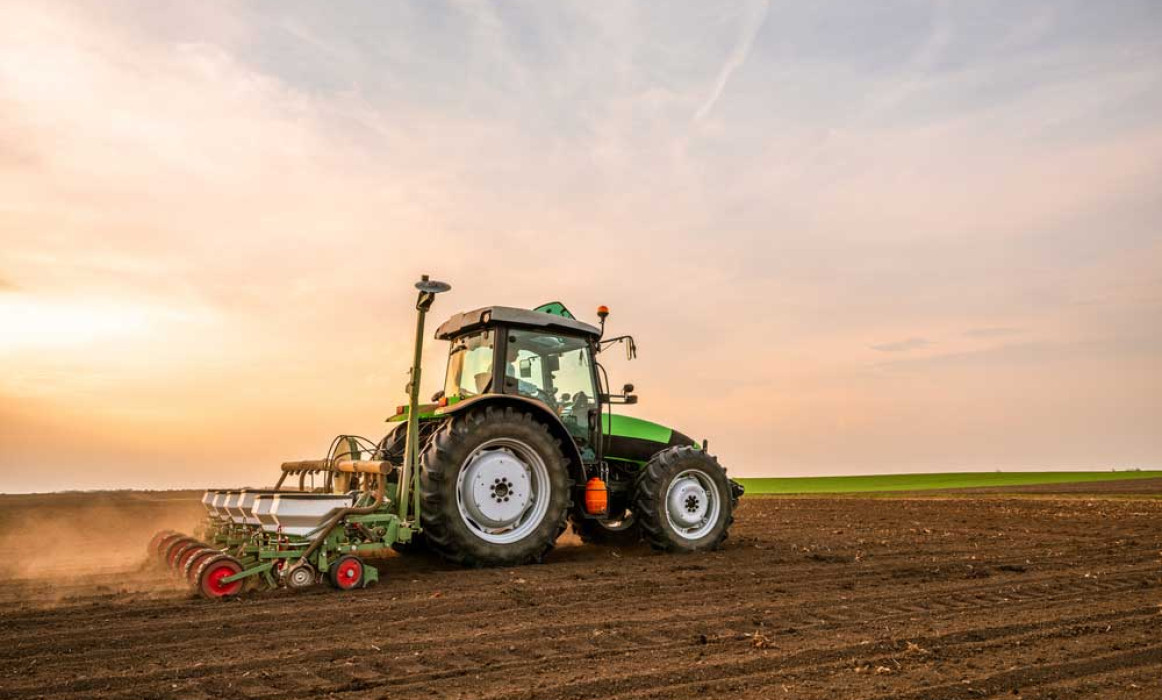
[629, 439]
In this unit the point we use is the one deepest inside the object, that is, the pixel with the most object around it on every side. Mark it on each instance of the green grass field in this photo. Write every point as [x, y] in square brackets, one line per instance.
[927, 482]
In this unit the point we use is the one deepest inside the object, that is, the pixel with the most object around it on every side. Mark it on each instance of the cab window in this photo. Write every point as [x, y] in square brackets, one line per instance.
[555, 370]
[470, 366]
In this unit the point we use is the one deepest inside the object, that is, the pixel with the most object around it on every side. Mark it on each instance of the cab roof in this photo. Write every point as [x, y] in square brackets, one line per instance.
[491, 315]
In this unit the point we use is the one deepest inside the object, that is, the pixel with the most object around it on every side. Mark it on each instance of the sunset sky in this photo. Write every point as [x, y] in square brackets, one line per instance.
[849, 237]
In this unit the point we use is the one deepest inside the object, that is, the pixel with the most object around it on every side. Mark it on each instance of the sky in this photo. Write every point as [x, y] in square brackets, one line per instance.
[848, 237]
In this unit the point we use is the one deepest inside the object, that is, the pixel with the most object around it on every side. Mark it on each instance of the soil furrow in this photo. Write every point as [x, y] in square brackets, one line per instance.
[810, 598]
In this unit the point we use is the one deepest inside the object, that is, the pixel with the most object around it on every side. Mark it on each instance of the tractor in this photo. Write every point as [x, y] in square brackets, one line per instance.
[522, 441]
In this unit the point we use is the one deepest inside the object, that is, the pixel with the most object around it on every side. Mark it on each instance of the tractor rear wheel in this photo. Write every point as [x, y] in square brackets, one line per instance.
[611, 532]
[494, 489]
[683, 501]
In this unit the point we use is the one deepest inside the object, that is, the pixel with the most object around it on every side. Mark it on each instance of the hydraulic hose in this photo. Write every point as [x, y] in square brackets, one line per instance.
[352, 510]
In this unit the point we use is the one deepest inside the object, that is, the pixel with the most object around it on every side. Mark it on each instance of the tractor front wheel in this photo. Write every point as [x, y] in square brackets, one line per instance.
[683, 501]
[494, 489]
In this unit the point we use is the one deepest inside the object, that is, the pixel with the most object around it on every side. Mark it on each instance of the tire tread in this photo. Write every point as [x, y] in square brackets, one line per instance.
[649, 508]
[438, 469]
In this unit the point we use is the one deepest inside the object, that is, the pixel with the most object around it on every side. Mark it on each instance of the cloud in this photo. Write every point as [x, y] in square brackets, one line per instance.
[902, 345]
[912, 77]
[992, 332]
[752, 23]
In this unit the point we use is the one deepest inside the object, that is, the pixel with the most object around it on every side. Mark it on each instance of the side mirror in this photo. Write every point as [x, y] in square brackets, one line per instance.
[437, 396]
[625, 397]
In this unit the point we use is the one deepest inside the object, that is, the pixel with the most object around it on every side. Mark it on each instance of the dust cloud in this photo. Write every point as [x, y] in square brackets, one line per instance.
[60, 545]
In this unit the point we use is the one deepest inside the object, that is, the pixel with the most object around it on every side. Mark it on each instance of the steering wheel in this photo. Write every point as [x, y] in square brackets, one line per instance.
[547, 398]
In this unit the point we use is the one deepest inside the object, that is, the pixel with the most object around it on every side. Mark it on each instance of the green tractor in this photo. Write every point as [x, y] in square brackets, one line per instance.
[523, 438]
[521, 441]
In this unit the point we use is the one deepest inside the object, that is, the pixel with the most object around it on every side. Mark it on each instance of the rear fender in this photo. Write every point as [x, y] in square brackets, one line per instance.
[521, 403]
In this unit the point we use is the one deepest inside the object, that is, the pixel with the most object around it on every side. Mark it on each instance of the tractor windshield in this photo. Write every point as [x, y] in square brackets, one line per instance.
[470, 365]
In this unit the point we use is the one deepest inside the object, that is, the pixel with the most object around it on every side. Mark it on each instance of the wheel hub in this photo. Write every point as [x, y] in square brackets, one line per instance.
[688, 502]
[300, 576]
[496, 488]
[693, 504]
[349, 574]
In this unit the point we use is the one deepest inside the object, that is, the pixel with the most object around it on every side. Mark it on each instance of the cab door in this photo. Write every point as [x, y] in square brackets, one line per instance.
[558, 371]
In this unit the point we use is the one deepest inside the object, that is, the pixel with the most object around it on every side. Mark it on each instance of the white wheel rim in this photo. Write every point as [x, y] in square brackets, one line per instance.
[300, 577]
[692, 504]
[502, 491]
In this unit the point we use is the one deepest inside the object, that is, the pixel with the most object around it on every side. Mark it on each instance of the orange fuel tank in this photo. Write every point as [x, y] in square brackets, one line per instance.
[596, 497]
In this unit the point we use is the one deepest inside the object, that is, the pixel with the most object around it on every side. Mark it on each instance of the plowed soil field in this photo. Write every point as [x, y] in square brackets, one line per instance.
[1053, 596]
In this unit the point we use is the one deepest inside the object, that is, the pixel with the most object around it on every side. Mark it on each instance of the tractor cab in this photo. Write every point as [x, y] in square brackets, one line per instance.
[537, 356]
